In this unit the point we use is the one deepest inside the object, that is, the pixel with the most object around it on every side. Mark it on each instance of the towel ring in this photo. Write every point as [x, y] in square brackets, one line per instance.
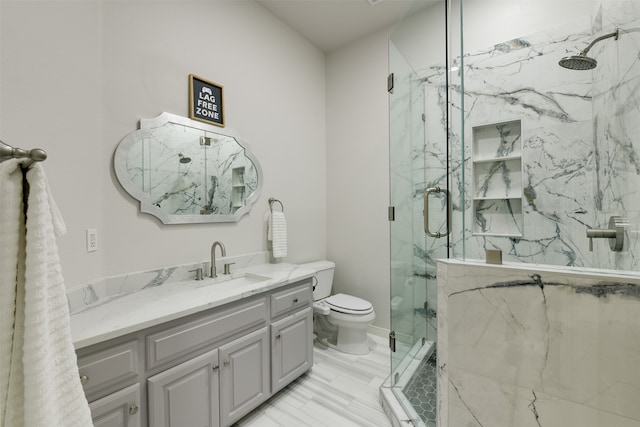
[272, 201]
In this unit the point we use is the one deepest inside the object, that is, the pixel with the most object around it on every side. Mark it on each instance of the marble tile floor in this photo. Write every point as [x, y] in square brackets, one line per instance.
[340, 391]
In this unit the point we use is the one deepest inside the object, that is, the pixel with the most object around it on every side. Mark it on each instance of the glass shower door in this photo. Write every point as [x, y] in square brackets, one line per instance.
[418, 162]
[406, 106]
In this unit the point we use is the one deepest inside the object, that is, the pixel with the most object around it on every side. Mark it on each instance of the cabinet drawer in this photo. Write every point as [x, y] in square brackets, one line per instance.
[170, 344]
[104, 371]
[296, 297]
[121, 408]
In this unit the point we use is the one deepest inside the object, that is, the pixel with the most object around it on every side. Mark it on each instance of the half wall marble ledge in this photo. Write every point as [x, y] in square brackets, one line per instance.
[530, 347]
[186, 171]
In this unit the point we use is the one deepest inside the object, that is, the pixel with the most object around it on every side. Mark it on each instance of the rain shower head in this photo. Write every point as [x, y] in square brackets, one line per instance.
[582, 61]
[578, 62]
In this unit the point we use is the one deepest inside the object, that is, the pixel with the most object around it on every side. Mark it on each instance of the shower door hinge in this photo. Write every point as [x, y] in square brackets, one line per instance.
[392, 341]
[392, 213]
[390, 83]
[424, 117]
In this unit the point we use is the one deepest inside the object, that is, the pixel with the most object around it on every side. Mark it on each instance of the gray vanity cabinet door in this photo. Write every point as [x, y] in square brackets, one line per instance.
[186, 395]
[291, 348]
[119, 409]
[244, 375]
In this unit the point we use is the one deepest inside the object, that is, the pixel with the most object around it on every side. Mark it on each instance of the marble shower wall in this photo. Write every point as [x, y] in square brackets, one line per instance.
[531, 347]
[580, 164]
[520, 80]
[616, 128]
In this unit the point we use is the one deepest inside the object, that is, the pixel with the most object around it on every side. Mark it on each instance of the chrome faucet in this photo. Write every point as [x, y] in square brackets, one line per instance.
[223, 252]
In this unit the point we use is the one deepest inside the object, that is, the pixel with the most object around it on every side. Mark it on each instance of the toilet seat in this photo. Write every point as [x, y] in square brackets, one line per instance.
[348, 304]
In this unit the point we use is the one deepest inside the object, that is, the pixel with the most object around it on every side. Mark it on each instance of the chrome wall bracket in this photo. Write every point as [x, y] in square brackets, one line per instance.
[615, 233]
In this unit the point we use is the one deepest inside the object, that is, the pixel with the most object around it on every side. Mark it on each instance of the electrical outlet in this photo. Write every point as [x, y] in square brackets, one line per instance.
[92, 239]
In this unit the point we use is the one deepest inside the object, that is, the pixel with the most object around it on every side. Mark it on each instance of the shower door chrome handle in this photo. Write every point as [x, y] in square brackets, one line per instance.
[425, 212]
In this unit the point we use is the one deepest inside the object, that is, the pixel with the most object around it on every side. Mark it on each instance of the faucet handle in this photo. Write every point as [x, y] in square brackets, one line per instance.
[198, 273]
[227, 268]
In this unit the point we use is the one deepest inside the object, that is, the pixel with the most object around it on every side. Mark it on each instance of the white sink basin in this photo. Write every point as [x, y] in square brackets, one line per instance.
[233, 280]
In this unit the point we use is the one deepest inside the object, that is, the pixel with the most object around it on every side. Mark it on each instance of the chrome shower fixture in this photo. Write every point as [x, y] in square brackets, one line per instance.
[582, 61]
[184, 159]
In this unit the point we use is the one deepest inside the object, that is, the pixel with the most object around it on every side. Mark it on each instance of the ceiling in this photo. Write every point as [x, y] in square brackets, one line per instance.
[330, 24]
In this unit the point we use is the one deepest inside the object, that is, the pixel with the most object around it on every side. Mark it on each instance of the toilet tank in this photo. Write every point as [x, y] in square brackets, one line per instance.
[324, 276]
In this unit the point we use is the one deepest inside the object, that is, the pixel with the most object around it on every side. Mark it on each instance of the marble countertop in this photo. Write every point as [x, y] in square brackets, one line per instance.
[126, 313]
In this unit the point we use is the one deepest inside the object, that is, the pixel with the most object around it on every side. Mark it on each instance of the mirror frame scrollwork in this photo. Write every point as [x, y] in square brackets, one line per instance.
[147, 126]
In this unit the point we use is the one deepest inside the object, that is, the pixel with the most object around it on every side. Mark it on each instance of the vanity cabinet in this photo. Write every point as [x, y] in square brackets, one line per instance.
[291, 348]
[207, 369]
[244, 375]
[291, 334]
[119, 409]
[109, 377]
[187, 394]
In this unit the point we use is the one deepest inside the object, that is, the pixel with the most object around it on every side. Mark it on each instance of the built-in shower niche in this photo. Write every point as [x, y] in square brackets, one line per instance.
[497, 179]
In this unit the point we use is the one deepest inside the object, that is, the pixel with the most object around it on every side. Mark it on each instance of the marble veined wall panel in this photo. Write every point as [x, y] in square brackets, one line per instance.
[580, 160]
[525, 346]
[616, 129]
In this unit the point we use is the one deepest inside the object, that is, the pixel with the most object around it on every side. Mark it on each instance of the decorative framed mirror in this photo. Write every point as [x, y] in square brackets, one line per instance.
[184, 171]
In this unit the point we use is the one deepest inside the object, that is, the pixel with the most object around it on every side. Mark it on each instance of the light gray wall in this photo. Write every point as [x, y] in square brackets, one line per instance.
[75, 78]
[358, 171]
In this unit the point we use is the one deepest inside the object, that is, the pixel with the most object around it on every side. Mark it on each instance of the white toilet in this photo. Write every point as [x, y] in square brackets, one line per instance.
[340, 320]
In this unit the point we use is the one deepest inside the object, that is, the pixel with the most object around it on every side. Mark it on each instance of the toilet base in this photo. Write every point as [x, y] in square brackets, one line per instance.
[347, 337]
[325, 342]
[352, 341]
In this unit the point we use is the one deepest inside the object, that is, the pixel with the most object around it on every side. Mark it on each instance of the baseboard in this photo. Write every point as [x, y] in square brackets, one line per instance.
[378, 331]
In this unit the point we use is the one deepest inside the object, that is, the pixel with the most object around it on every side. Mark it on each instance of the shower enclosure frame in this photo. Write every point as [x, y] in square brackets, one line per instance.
[420, 210]
[592, 131]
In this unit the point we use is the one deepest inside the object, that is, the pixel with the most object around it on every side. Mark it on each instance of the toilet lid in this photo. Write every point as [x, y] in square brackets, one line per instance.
[349, 304]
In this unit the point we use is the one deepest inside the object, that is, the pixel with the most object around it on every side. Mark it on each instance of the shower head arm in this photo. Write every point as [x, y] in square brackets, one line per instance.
[606, 36]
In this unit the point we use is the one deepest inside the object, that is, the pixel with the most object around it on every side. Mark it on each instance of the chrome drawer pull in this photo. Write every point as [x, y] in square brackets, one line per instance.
[84, 379]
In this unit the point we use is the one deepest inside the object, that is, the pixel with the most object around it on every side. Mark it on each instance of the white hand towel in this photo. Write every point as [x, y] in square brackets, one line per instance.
[277, 233]
[12, 238]
[46, 389]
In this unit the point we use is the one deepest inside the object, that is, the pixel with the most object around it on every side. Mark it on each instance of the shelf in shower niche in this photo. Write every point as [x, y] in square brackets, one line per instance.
[515, 236]
[497, 159]
[498, 198]
[497, 177]
[498, 217]
[497, 140]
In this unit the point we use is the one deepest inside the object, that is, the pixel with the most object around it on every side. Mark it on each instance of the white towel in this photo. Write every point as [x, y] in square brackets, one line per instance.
[277, 234]
[12, 239]
[44, 388]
